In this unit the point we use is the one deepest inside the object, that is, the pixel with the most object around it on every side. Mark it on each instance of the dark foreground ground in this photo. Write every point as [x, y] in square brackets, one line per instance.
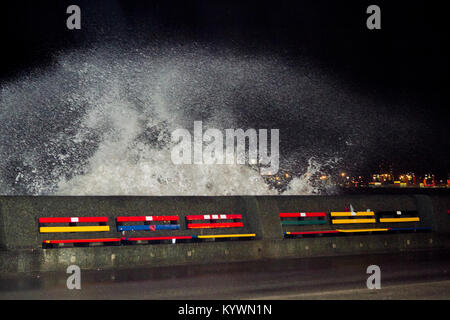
[413, 275]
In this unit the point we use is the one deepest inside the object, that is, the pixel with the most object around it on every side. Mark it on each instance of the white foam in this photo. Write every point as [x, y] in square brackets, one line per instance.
[122, 98]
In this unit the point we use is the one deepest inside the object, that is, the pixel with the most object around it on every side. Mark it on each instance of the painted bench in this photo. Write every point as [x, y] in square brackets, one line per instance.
[292, 219]
[303, 218]
[172, 239]
[406, 220]
[397, 216]
[353, 217]
[381, 221]
[147, 226]
[74, 227]
[213, 221]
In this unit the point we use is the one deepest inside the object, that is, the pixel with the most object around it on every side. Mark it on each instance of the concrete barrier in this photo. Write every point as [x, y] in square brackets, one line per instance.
[21, 243]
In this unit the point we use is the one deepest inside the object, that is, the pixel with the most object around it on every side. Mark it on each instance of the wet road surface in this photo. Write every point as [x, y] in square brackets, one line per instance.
[413, 275]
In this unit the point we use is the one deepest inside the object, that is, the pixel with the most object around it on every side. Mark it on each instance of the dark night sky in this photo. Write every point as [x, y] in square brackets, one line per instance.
[405, 61]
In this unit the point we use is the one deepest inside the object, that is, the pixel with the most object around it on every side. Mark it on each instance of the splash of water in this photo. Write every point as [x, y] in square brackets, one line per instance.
[97, 123]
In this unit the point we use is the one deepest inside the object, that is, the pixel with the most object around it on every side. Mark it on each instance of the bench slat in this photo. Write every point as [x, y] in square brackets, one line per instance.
[215, 225]
[248, 235]
[74, 229]
[150, 227]
[72, 219]
[302, 214]
[156, 238]
[82, 240]
[412, 219]
[409, 229]
[312, 232]
[147, 218]
[347, 221]
[214, 217]
[363, 230]
[352, 214]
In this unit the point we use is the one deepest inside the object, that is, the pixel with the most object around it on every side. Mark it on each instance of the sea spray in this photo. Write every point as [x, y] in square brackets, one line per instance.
[98, 122]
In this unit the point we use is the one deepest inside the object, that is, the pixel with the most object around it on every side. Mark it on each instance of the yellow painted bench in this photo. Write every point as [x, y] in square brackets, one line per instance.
[74, 229]
[350, 217]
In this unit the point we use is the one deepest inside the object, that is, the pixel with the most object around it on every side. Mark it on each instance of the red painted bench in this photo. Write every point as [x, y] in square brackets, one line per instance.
[212, 218]
[172, 225]
[173, 239]
[72, 219]
[104, 240]
[147, 218]
[75, 227]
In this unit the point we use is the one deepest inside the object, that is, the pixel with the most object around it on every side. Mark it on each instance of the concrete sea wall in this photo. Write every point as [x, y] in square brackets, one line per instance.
[21, 248]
